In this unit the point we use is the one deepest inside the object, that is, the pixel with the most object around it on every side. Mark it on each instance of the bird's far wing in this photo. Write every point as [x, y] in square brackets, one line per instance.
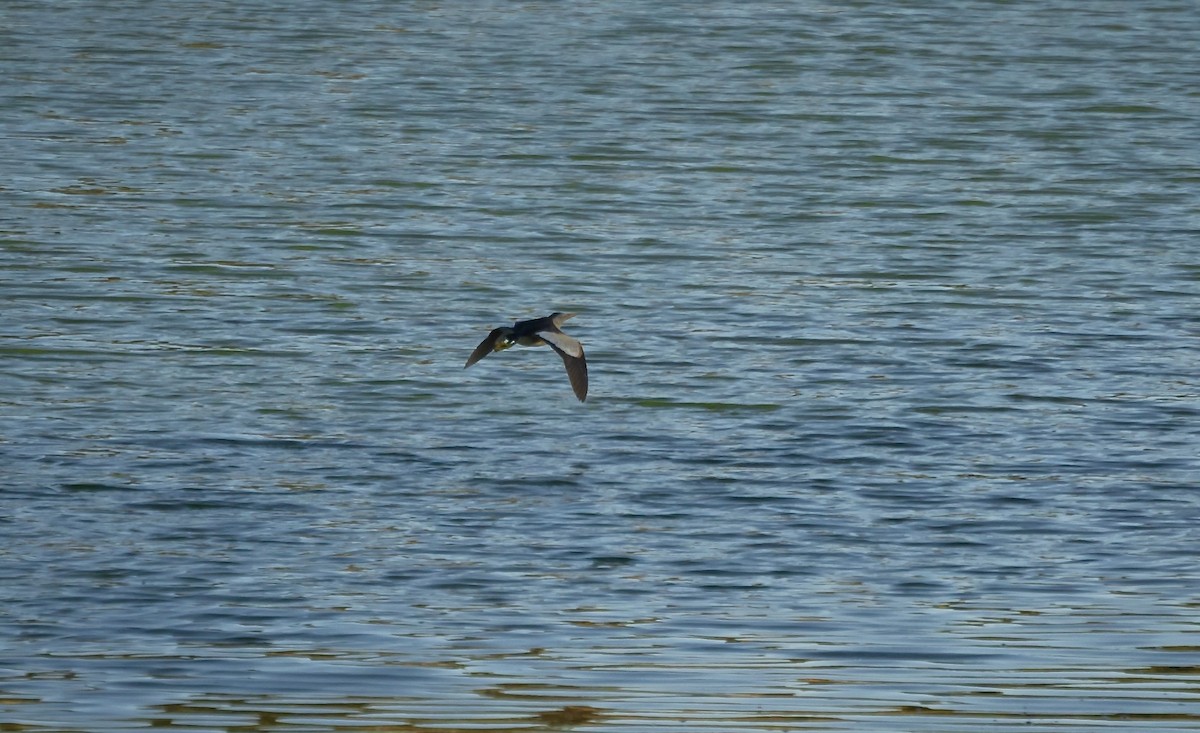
[484, 348]
[562, 342]
[576, 365]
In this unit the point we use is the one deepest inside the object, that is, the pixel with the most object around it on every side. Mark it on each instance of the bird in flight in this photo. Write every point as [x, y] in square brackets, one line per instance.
[538, 332]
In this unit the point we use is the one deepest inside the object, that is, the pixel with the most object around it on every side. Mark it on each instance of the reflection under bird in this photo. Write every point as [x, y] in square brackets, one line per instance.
[538, 332]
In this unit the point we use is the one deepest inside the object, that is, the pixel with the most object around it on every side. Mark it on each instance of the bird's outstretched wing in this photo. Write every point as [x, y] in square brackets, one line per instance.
[561, 342]
[576, 363]
[484, 348]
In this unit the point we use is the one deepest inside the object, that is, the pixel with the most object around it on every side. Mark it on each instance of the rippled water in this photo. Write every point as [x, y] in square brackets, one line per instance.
[891, 319]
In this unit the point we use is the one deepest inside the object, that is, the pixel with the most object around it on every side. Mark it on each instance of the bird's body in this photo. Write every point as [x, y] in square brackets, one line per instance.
[539, 332]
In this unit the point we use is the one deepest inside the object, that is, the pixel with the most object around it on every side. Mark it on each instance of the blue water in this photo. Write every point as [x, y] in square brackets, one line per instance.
[890, 315]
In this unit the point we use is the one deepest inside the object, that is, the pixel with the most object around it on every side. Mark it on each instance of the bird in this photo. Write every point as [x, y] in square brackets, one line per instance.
[539, 332]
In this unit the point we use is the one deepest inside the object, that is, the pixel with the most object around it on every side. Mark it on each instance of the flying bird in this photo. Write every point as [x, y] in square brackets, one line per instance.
[539, 332]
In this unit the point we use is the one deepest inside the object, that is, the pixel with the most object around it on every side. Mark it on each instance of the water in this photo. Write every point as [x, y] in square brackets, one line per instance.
[890, 315]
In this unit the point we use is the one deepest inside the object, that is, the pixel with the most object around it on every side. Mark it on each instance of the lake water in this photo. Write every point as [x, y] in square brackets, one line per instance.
[892, 323]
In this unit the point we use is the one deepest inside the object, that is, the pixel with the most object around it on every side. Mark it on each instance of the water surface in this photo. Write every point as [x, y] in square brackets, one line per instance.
[891, 323]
